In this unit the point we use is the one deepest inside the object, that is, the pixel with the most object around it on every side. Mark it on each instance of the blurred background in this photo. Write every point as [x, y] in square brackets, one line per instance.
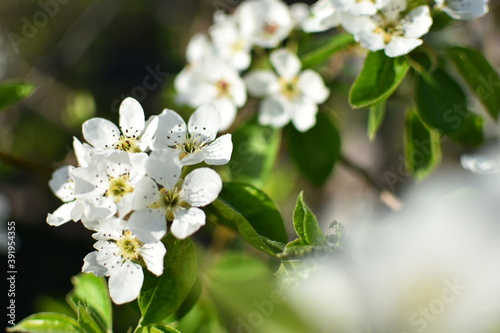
[85, 56]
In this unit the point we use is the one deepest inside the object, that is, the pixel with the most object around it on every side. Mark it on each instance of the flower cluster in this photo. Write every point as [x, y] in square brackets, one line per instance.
[131, 182]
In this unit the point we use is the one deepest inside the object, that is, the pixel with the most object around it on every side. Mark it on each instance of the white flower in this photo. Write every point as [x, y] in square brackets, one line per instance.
[108, 184]
[389, 29]
[119, 254]
[463, 9]
[481, 164]
[320, 16]
[219, 84]
[178, 200]
[62, 184]
[134, 136]
[267, 22]
[196, 141]
[359, 7]
[292, 95]
[229, 42]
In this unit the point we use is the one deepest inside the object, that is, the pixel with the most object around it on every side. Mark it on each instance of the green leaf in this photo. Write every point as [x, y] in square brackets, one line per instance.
[13, 92]
[315, 151]
[422, 147]
[480, 76]
[471, 132]
[442, 105]
[93, 292]
[375, 119]
[323, 48]
[89, 320]
[255, 150]
[158, 328]
[306, 225]
[257, 208]
[162, 295]
[47, 322]
[378, 79]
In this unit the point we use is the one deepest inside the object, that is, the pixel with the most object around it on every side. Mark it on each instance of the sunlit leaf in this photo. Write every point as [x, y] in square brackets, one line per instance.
[306, 225]
[47, 322]
[13, 92]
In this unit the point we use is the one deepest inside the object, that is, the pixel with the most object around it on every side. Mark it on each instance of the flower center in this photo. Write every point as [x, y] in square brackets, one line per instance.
[191, 144]
[127, 144]
[129, 246]
[170, 200]
[270, 28]
[222, 88]
[389, 30]
[119, 187]
[290, 88]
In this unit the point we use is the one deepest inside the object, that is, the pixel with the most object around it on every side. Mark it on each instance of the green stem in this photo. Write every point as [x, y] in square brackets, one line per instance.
[34, 167]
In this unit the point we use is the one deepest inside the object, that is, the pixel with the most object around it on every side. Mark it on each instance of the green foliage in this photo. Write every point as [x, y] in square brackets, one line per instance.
[157, 328]
[249, 211]
[315, 151]
[254, 153]
[375, 119]
[378, 79]
[479, 75]
[162, 295]
[322, 49]
[47, 322]
[306, 225]
[422, 147]
[89, 320]
[13, 92]
[442, 105]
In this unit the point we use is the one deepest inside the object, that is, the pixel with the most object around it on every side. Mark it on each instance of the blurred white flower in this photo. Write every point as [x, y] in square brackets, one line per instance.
[390, 29]
[195, 142]
[133, 136]
[214, 81]
[318, 17]
[463, 9]
[119, 254]
[290, 95]
[177, 200]
[266, 22]
[432, 267]
[359, 7]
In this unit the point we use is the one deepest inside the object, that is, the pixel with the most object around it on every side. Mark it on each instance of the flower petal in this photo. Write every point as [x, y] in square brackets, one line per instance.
[146, 192]
[466, 9]
[146, 140]
[90, 265]
[131, 118]
[164, 167]
[205, 121]
[100, 132]
[313, 87]
[286, 63]
[125, 283]
[148, 225]
[61, 215]
[201, 187]
[171, 129]
[261, 83]
[274, 112]
[227, 111]
[219, 152]
[417, 23]
[187, 222]
[399, 46]
[304, 116]
[153, 254]
[62, 183]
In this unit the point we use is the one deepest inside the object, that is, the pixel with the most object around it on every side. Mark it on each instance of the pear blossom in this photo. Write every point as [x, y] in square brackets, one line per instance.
[108, 184]
[481, 164]
[463, 9]
[62, 184]
[390, 29]
[267, 22]
[359, 7]
[318, 17]
[195, 142]
[291, 95]
[177, 199]
[119, 255]
[133, 136]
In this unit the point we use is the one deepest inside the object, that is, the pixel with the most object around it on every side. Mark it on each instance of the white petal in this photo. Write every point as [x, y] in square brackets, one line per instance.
[286, 63]
[62, 183]
[100, 132]
[153, 254]
[146, 140]
[86, 179]
[193, 158]
[238, 91]
[197, 48]
[304, 116]
[171, 129]
[370, 40]
[205, 121]
[131, 118]
[148, 225]
[399, 46]
[313, 87]
[187, 222]
[146, 192]
[82, 152]
[357, 24]
[164, 167]
[261, 83]
[227, 111]
[201, 187]
[90, 265]
[125, 283]
[481, 164]
[417, 23]
[466, 9]
[61, 215]
[274, 112]
[219, 152]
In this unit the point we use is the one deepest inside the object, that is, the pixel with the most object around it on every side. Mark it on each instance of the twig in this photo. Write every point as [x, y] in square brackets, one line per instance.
[34, 167]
